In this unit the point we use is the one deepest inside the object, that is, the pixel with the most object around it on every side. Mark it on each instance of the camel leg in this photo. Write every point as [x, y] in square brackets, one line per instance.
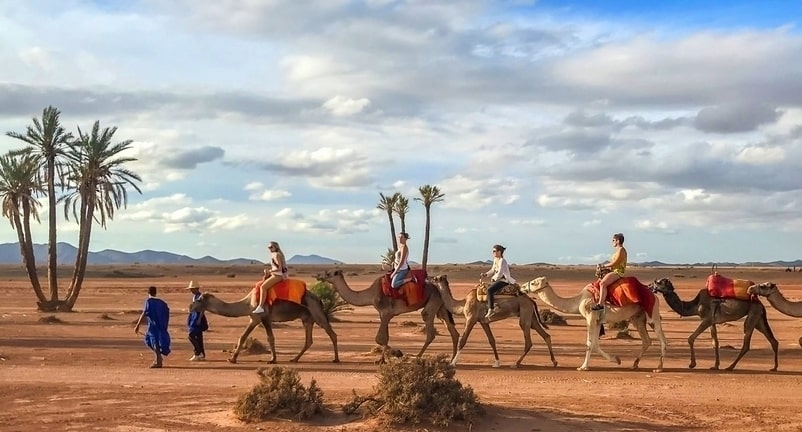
[241, 341]
[593, 331]
[308, 323]
[657, 321]
[525, 326]
[714, 336]
[448, 319]
[749, 328]
[383, 334]
[645, 339]
[597, 345]
[491, 339]
[692, 339]
[763, 327]
[322, 320]
[538, 327]
[464, 340]
[431, 332]
[271, 338]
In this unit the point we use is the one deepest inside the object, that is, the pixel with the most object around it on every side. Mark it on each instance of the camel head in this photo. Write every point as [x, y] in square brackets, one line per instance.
[327, 276]
[440, 280]
[764, 289]
[662, 286]
[200, 304]
[535, 285]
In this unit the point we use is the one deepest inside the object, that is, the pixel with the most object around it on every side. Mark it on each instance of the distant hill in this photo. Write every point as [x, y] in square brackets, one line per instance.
[311, 259]
[10, 254]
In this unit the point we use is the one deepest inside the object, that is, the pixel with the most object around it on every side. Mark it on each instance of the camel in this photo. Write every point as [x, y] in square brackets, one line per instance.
[431, 307]
[582, 303]
[714, 311]
[309, 313]
[771, 291]
[474, 311]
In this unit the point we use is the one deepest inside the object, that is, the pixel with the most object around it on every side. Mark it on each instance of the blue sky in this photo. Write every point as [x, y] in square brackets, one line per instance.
[548, 125]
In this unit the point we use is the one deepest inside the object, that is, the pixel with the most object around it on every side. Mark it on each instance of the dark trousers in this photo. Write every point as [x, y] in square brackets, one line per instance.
[196, 339]
[492, 290]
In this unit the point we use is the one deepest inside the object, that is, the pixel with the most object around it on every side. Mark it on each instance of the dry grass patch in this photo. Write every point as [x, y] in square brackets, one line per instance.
[549, 317]
[408, 324]
[253, 346]
[418, 390]
[279, 394]
[105, 316]
[620, 325]
[51, 319]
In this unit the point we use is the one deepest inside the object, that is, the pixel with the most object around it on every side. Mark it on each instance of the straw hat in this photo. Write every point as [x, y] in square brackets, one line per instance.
[193, 285]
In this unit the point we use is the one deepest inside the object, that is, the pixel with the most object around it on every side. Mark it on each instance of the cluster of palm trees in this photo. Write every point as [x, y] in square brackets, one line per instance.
[86, 173]
[398, 204]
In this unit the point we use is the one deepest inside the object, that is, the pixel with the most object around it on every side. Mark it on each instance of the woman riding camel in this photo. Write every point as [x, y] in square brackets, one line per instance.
[617, 266]
[499, 275]
[276, 274]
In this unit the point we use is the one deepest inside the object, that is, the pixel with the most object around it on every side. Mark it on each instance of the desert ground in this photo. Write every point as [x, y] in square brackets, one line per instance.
[89, 372]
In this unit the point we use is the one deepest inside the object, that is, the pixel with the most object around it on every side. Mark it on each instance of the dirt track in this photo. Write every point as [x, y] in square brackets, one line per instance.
[89, 373]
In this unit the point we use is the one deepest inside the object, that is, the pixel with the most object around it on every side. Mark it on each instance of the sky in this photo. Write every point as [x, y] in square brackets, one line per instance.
[548, 125]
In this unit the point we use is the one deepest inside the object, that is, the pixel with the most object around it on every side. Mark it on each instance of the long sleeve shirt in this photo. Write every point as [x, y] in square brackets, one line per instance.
[500, 271]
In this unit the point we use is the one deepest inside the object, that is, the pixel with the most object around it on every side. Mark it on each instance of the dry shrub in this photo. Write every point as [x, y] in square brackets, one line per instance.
[422, 330]
[620, 325]
[231, 275]
[51, 319]
[411, 391]
[254, 346]
[105, 316]
[623, 334]
[549, 317]
[408, 324]
[279, 394]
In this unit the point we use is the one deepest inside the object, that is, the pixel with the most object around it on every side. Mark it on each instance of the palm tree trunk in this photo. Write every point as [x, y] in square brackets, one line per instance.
[85, 233]
[425, 258]
[52, 258]
[392, 229]
[28, 258]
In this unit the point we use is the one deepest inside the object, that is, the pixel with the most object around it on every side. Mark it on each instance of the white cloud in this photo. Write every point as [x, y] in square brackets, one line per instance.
[341, 106]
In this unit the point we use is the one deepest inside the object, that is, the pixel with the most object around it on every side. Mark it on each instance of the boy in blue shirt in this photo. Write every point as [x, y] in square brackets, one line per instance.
[196, 325]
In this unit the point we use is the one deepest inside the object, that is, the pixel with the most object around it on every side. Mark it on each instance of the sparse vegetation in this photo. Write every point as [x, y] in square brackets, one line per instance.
[279, 394]
[620, 325]
[51, 319]
[105, 316]
[254, 346]
[411, 391]
[549, 317]
[328, 295]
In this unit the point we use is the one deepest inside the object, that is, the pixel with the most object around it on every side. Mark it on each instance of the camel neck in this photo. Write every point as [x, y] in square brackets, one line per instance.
[364, 297]
[569, 305]
[453, 305]
[683, 308]
[779, 302]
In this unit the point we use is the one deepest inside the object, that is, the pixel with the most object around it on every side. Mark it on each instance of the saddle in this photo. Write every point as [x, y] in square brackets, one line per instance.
[626, 291]
[411, 292]
[509, 290]
[721, 287]
[289, 289]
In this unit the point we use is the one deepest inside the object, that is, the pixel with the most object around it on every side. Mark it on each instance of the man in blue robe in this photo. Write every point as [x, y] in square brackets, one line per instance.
[157, 338]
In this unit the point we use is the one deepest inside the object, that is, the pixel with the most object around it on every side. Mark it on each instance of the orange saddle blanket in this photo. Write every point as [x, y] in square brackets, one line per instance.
[411, 292]
[626, 291]
[289, 289]
[722, 287]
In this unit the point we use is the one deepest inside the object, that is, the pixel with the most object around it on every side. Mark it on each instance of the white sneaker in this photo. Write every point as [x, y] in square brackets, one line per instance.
[194, 358]
[259, 309]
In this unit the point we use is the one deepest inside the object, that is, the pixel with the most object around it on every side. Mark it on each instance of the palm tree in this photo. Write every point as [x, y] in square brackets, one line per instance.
[98, 180]
[387, 203]
[428, 195]
[49, 142]
[401, 208]
[19, 186]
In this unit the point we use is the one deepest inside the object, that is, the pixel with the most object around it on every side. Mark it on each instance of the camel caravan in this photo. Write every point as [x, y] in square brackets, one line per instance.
[627, 299]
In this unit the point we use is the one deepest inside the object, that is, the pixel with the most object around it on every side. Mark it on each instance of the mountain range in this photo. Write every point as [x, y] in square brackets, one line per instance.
[10, 254]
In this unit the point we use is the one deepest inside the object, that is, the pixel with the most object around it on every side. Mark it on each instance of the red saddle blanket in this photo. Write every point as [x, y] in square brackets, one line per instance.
[411, 292]
[626, 291]
[289, 289]
[722, 287]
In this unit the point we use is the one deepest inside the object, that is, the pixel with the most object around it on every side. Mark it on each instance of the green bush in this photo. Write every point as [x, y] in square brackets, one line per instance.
[328, 295]
[413, 390]
[279, 394]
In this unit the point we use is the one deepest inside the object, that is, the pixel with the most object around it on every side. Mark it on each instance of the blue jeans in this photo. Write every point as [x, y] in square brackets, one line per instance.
[399, 278]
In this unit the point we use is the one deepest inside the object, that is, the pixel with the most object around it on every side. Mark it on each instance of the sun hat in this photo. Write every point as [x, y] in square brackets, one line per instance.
[193, 285]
